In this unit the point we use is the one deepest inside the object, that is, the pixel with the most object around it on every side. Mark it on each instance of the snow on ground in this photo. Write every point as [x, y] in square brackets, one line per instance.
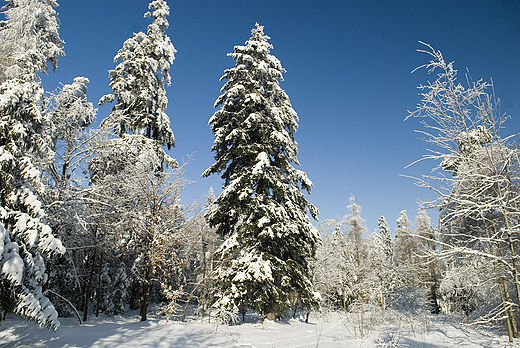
[323, 331]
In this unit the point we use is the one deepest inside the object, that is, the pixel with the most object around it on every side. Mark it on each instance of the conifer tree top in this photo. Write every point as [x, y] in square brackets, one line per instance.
[257, 47]
[160, 23]
[138, 81]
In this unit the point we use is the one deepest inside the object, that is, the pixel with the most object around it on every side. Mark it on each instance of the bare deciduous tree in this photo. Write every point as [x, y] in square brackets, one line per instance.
[477, 178]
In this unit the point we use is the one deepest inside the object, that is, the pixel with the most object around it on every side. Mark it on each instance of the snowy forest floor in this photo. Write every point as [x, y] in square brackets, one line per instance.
[332, 329]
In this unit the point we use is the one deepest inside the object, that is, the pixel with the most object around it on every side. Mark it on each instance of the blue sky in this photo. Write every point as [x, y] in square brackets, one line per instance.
[348, 77]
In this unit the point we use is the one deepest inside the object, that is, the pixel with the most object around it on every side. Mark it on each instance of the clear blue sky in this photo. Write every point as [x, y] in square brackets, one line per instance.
[348, 77]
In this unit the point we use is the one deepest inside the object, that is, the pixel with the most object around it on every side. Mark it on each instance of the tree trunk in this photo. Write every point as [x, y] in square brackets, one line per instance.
[48, 267]
[503, 288]
[435, 308]
[98, 294]
[135, 296]
[145, 297]
[269, 311]
[515, 266]
[511, 312]
[89, 286]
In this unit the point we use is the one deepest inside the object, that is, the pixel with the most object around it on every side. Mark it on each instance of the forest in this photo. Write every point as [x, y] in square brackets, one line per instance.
[91, 218]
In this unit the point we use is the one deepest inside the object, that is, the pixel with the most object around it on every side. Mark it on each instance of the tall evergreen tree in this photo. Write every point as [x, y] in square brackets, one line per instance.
[131, 167]
[261, 209]
[138, 81]
[30, 40]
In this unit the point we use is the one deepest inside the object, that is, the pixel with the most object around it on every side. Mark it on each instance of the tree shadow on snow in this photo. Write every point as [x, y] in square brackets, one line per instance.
[111, 335]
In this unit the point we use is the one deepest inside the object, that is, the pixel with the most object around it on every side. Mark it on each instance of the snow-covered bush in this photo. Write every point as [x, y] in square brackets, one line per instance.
[467, 286]
[412, 300]
[117, 291]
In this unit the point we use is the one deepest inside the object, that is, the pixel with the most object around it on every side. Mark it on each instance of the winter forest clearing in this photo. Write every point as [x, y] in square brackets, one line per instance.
[97, 248]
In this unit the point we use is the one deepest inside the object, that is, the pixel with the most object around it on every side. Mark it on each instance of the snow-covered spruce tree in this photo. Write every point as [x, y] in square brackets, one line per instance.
[355, 231]
[428, 268]
[356, 267]
[29, 40]
[138, 81]
[338, 269]
[381, 257]
[117, 296]
[404, 248]
[261, 210]
[383, 239]
[32, 27]
[139, 120]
